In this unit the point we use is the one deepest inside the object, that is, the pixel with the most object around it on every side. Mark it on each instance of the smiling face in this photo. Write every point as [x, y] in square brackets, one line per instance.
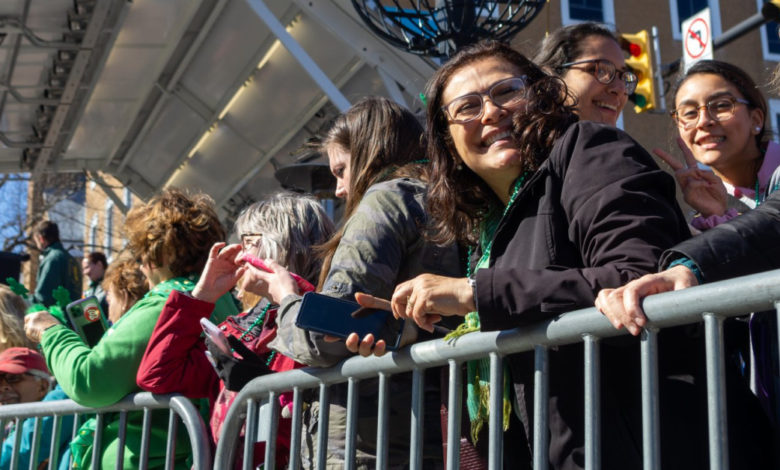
[597, 101]
[27, 389]
[723, 145]
[485, 144]
[338, 160]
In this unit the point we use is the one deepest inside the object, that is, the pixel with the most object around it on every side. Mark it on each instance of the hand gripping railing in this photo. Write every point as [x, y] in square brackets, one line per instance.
[146, 402]
[712, 303]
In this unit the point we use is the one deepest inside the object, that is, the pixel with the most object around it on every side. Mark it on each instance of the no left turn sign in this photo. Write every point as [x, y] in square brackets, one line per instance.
[697, 38]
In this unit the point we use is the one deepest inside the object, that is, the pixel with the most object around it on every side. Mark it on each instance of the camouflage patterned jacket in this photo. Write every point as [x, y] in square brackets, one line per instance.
[382, 246]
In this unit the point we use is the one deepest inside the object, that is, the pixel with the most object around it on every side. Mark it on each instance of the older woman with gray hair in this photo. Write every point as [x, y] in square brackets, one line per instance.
[283, 228]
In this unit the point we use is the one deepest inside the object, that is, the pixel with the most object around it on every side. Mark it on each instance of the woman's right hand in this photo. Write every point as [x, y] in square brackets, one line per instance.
[276, 285]
[220, 273]
[703, 190]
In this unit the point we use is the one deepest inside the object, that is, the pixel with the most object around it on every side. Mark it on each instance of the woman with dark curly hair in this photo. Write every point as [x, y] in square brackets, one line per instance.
[170, 236]
[554, 209]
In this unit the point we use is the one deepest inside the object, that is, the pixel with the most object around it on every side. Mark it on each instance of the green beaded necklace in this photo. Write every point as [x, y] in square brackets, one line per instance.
[259, 320]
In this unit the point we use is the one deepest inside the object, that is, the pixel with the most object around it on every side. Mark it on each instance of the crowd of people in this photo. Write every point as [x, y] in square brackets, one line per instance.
[488, 216]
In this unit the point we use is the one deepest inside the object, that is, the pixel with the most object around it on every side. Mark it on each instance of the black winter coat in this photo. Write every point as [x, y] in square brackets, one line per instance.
[598, 213]
[742, 246]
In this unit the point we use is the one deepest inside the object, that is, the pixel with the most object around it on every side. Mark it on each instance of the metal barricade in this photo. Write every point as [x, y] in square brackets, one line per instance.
[711, 303]
[177, 405]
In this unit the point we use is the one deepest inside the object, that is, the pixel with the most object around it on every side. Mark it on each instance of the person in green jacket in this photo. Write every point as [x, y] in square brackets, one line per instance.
[170, 236]
[57, 267]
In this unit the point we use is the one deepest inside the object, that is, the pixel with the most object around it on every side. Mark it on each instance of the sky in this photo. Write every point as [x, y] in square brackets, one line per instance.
[13, 201]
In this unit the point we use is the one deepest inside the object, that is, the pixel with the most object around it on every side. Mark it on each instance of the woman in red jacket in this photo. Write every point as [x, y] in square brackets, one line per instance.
[284, 228]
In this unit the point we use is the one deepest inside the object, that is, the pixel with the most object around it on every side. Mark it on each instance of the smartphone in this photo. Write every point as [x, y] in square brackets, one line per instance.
[216, 336]
[333, 316]
[87, 319]
[303, 284]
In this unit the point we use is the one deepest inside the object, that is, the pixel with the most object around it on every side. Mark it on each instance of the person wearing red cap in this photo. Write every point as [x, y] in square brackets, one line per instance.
[24, 378]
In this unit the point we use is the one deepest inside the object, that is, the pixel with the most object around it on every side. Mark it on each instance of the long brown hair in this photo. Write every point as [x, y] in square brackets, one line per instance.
[384, 141]
[458, 198]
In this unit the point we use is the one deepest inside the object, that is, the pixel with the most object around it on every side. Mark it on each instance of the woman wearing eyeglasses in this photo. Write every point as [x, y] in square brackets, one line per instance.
[554, 209]
[588, 57]
[720, 114]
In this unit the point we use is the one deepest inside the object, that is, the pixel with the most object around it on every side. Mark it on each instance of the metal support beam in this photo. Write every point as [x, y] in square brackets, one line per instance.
[295, 49]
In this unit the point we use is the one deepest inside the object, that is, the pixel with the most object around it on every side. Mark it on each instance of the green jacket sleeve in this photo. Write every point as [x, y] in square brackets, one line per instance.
[47, 281]
[103, 375]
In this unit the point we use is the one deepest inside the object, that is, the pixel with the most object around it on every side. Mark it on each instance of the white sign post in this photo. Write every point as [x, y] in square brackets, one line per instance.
[697, 38]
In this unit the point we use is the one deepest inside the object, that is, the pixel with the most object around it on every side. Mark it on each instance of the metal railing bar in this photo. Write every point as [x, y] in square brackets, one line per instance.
[196, 429]
[97, 441]
[417, 419]
[716, 392]
[296, 429]
[454, 410]
[146, 431]
[727, 298]
[273, 425]
[120, 451]
[251, 433]
[496, 418]
[322, 428]
[54, 445]
[36, 443]
[651, 435]
[541, 437]
[383, 423]
[351, 431]
[592, 403]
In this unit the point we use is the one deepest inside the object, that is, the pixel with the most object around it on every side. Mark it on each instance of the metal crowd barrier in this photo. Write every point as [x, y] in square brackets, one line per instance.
[178, 405]
[711, 303]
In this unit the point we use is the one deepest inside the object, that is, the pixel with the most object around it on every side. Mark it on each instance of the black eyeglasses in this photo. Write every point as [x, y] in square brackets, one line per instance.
[504, 93]
[719, 109]
[605, 72]
[13, 379]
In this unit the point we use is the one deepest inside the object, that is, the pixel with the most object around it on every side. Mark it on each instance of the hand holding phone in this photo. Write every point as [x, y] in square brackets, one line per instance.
[87, 319]
[216, 336]
[333, 316]
[303, 284]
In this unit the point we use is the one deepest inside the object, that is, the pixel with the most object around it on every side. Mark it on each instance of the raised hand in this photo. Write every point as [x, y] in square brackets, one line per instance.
[703, 190]
[220, 273]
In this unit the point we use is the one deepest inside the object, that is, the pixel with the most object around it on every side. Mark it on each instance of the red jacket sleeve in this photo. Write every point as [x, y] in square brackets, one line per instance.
[175, 359]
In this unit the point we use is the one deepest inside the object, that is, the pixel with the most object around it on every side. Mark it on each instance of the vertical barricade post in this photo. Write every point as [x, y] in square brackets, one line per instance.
[146, 432]
[272, 426]
[350, 447]
[120, 451]
[322, 428]
[651, 445]
[54, 445]
[170, 445]
[496, 428]
[296, 429]
[416, 434]
[36, 443]
[716, 392]
[382, 437]
[251, 433]
[541, 406]
[97, 442]
[454, 410]
[592, 403]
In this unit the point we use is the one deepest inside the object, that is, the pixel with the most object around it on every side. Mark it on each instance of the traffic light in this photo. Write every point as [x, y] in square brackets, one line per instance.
[639, 60]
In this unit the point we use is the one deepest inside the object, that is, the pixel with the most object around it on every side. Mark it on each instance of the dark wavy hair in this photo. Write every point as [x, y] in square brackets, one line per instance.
[737, 77]
[384, 141]
[175, 230]
[458, 199]
[565, 45]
